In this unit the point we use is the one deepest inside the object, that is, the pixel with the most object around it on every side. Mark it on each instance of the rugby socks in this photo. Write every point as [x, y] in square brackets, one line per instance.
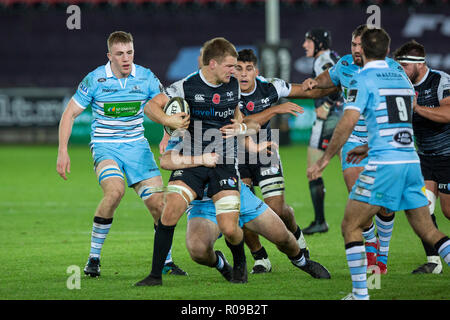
[385, 225]
[370, 239]
[317, 190]
[238, 252]
[429, 249]
[169, 255]
[260, 254]
[220, 263]
[161, 247]
[298, 234]
[357, 262]
[299, 260]
[100, 229]
[443, 248]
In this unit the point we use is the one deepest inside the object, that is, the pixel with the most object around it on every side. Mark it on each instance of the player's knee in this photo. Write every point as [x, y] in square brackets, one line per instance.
[114, 195]
[173, 190]
[431, 200]
[198, 251]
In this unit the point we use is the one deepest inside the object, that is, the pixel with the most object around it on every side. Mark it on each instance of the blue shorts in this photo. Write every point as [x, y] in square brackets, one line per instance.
[346, 148]
[251, 208]
[135, 158]
[393, 186]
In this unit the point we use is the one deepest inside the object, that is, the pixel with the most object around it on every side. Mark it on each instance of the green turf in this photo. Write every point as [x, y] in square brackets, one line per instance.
[46, 222]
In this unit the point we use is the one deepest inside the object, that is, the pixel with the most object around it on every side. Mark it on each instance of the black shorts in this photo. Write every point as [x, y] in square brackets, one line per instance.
[437, 169]
[222, 177]
[264, 175]
[322, 131]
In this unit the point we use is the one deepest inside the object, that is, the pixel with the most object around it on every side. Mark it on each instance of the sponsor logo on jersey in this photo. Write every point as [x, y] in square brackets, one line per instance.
[101, 79]
[212, 112]
[403, 137]
[136, 89]
[199, 97]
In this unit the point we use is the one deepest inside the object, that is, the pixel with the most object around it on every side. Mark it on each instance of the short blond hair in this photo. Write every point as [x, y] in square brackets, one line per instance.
[217, 49]
[119, 37]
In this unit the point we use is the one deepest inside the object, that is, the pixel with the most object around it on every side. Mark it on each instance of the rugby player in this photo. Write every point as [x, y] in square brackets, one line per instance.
[339, 76]
[117, 93]
[255, 215]
[213, 96]
[328, 109]
[392, 177]
[431, 124]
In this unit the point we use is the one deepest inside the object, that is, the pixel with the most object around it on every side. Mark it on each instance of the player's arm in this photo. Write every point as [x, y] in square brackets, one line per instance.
[173, 160]
[298, 92]
[322, 81]
[340, 135]
[265, 116]
[439, 114]
[240, 126]
[153, 109]
[68, 117]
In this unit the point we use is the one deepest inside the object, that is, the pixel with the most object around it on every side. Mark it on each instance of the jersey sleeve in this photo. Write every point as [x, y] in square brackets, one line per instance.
[175, 89]
[334, 73]
[173, 143]
[155, 87]
[443, 90]
[357, 96]
[84, 95]
[282, 87]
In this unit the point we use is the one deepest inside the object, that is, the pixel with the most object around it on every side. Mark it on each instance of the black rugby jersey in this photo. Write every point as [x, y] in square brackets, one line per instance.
[211, 107]
[432, 138]
[323, 62]
[266, 93]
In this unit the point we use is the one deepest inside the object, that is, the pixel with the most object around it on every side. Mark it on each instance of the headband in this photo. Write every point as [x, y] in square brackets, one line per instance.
[410, 59]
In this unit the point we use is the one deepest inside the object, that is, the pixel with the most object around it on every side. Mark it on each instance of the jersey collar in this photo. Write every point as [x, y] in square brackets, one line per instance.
[252, 92]
[377, 64]
[110, 74]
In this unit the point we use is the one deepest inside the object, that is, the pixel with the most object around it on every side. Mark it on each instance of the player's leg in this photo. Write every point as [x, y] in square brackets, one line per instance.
[317, 191]
[270, 226]
[201, 235]
[430, 172]
[111, 180]
[227, 203]
[178, 196]
[423, 226]
[351, 173]
[445, 203]
[357, 214]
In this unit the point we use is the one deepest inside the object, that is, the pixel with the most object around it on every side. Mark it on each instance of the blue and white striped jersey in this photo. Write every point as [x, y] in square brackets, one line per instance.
[384, 97]
[341, 74]
[117, 104]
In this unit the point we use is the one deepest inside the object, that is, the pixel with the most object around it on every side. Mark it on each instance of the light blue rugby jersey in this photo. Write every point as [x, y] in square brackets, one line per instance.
[341, 74]
[117, 104]
[384, 97]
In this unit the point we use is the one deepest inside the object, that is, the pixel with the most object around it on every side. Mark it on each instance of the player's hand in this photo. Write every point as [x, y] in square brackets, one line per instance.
[357, 154]
[309, 84]
[315, 171]
[210, 159]
[289, 107]
[267, 146]
[322, 113]
[233, 129]
[179, 120]
[164, 142]
[63, 164]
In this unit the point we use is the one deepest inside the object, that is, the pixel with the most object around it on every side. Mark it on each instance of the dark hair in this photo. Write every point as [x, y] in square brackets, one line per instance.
[375, 43]
[410, 48]
[217, 49]
[359, 30]
[247, 55]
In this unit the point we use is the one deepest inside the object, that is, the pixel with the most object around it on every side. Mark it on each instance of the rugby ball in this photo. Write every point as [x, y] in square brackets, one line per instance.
[173, 106]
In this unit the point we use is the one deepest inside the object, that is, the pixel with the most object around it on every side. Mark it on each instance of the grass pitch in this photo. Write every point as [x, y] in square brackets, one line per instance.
[46, 223]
